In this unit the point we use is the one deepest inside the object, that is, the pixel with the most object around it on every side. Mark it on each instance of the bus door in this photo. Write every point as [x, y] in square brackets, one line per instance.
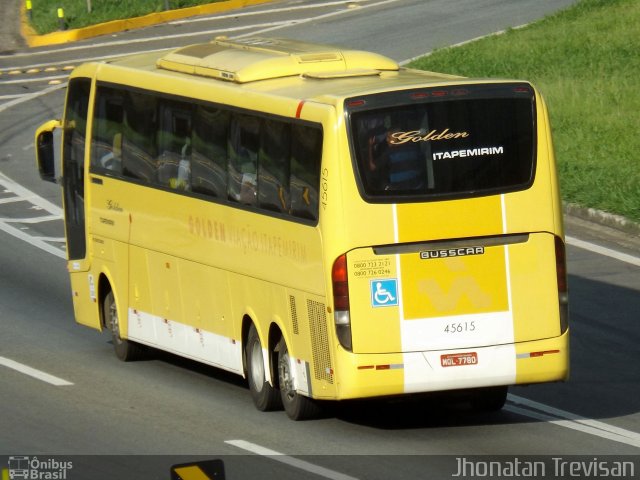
[74, 143]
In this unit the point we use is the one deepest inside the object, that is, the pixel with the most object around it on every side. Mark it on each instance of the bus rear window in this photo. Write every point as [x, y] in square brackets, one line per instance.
[444, 145]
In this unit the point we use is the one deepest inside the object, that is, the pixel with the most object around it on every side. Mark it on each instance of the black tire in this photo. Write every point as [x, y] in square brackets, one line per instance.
[298, 407]
[489, 399]
[265, 396]
[126, 350]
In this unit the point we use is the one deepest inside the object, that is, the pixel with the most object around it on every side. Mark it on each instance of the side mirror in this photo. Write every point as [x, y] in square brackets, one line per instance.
[45, 150]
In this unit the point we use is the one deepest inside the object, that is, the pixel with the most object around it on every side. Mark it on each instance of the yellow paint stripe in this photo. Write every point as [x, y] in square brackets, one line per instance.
[192, 472]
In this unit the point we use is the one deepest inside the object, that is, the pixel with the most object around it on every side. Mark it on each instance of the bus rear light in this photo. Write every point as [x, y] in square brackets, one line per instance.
[341, 316]
[563, 288]
[340, 284]
[356, 103]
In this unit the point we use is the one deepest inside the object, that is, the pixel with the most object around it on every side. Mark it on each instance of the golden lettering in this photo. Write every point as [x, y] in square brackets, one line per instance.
[414, 136]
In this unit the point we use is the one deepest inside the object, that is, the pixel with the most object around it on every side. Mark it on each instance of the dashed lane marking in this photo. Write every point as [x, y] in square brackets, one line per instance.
[35, 373]
[288, 460]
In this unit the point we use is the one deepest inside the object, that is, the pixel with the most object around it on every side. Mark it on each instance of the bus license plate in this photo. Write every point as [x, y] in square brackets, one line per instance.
[459, 359]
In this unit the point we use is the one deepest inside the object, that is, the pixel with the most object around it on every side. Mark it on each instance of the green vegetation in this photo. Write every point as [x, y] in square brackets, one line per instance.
[45, 12]
[586, 62]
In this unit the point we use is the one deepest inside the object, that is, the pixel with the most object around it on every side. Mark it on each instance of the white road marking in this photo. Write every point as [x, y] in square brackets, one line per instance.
[32, 80]
[44, 218]
[11, 97]
[31, 96]
[291, 461]
[148, 40]
[35, 373]
[36, 242]
[607, 252]
[255, 30]
[302, 21]
[262, 12]
[23, 194]
[562, 418]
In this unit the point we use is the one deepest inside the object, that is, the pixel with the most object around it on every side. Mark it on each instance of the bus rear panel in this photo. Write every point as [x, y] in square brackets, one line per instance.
[467, 286]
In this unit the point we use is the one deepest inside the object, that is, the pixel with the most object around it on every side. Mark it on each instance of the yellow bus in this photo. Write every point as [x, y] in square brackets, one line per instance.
[318, 220]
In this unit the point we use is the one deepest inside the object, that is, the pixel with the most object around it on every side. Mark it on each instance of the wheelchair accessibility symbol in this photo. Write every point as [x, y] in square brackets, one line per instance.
[384, 293]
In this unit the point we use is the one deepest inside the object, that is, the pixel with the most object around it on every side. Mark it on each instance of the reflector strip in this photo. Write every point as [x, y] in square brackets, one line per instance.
[536, 354]
[392, 366]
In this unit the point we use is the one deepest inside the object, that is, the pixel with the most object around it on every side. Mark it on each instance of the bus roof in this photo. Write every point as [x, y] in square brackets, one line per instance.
[280, 67]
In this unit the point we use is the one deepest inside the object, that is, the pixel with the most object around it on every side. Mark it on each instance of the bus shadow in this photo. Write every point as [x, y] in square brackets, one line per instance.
[423, 411]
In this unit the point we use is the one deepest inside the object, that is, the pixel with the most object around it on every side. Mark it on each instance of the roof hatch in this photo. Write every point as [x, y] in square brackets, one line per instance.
[251, 59]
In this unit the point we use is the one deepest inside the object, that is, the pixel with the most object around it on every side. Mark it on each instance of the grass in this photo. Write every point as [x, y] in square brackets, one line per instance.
[586, 62]
[45, 12]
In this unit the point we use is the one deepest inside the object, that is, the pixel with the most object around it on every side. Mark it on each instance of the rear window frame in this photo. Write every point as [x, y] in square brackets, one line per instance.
[415, 96]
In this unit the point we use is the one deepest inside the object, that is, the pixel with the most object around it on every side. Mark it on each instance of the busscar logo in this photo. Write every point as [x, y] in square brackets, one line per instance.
[451, 252]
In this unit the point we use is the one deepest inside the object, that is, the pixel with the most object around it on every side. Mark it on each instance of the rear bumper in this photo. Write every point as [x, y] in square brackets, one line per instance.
[371, 375]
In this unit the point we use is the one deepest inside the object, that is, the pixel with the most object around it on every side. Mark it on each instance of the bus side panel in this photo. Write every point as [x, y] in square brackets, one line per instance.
[108, 236]
[85, 305]
[534, 291]
[205, 299]
[111, 259]
[182, 307]
[543, 360]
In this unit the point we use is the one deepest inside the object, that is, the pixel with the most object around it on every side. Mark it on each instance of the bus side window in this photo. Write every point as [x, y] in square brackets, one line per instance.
[106, 142]
[174, 145]
[273, 166]
[244, 141]
[209, 151]
[306, 154]
[138, 137]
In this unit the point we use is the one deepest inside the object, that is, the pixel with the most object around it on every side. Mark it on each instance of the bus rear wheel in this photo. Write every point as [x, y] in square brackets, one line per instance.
[298, 407]
[265, 396]
[126, 350]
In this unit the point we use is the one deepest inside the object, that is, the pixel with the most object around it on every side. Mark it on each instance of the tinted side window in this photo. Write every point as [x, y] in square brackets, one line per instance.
[106, 143]
[139, 136]
[209, 151]
[274, 166]
[174, 145]
[306, 154]
[244, 141]
[264, 162]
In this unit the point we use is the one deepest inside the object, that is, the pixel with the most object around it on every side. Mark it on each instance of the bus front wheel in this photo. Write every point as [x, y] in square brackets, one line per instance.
[298, 407]
[125, 350]
[265, 396]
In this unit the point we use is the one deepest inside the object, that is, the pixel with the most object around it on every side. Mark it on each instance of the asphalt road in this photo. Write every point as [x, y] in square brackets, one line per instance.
[167, 410]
